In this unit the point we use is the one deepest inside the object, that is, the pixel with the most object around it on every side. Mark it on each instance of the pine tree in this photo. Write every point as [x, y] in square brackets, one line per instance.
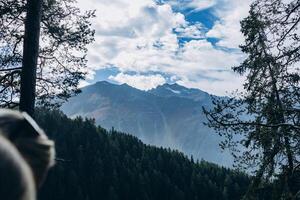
[266, 114]
[53, 67]
[30, 55]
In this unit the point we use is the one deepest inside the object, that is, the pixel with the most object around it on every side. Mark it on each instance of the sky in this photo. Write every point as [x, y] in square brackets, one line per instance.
[146, 43]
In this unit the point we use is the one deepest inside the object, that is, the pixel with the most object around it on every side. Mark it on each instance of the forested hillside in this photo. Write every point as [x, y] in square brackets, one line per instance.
[96, 164]
[169, 116]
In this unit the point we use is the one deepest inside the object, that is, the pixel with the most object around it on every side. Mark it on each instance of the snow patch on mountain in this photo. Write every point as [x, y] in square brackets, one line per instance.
[174, 91]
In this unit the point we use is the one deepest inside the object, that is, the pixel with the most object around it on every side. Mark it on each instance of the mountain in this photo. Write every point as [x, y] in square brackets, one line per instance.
[97, 164]
[169, 116]
[175, 90]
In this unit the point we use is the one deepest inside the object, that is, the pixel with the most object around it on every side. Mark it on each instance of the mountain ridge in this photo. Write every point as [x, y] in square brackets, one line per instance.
[168, 116]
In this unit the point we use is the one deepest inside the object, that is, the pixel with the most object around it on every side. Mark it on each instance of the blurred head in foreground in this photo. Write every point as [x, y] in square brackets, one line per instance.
[27, 151]
[16, 179]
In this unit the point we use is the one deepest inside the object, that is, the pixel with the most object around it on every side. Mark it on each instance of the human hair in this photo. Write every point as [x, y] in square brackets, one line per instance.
[30, 140]
[16, 179]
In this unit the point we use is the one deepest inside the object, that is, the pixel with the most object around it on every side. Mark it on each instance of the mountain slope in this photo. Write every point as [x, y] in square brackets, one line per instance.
[168, 116]
[96, 164]
[175, 90]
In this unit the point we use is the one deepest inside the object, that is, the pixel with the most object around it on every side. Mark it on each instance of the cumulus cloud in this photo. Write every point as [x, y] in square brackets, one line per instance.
[195, 31]
[227, 29]
[141, 36]
[196, 5]
[229, 78]
[139, 81]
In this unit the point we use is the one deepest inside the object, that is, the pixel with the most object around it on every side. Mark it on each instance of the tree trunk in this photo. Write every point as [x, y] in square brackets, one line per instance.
[30, 55]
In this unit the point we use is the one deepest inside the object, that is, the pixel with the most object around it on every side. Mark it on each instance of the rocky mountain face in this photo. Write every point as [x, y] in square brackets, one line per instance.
[169, 116]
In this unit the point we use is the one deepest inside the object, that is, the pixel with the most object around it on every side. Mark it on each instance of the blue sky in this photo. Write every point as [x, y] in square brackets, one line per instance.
[146, 43]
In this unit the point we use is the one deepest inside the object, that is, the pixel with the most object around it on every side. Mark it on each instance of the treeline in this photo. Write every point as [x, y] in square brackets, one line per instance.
[96, 164]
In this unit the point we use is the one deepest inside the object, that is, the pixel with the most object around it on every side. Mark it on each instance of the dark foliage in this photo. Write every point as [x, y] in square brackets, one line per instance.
[262, 124]
[65, 33]
[96, 164]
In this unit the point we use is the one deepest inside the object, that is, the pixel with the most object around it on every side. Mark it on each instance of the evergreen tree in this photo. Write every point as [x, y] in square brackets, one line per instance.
[30, 55]
[55, 66]
[96, 164]
[266, 114]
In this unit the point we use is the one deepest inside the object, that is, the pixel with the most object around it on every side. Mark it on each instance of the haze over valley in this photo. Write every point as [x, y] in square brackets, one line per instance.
[169, 116]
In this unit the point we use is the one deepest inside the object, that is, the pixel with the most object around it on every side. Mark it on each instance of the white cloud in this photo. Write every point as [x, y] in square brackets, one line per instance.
[195, 31]
[139, 81]
[202, 4]
[227, 29]
[230, 79]
[196, 5]
[83, 83]
[138, 36]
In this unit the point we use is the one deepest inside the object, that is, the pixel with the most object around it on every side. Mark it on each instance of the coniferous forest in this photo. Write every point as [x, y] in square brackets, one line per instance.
[94, 163]
[44, 61]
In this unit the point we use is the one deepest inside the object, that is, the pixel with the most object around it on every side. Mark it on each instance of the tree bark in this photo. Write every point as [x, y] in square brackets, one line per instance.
[30, 56]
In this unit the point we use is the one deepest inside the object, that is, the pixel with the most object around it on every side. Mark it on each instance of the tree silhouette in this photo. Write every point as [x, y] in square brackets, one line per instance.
[264, 120]
[64, 35]
[30, 55]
